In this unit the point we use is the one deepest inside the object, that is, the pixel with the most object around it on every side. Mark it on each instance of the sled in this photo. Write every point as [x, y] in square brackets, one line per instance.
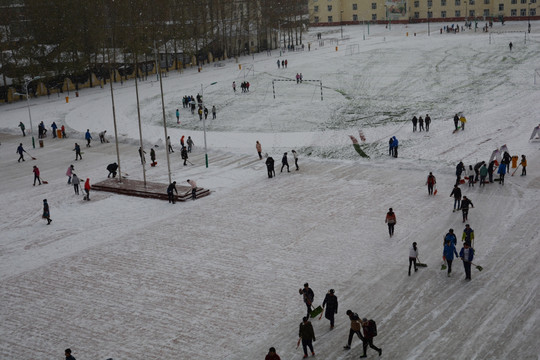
[462, 181]
[44, 182]
[316, 311]
[153, 164]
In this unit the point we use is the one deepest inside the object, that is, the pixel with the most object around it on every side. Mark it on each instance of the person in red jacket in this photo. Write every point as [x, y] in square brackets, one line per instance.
[272, 355]
[391, 221]
[87, 189]
[36, 175]
[431, 181]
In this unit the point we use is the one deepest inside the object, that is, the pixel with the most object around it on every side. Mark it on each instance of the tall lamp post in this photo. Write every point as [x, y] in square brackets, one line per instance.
[341, 23]
[428, 16]
[204, 123]
[28, 105]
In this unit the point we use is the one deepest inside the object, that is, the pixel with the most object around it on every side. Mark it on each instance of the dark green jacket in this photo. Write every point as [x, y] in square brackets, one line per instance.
[306, 331]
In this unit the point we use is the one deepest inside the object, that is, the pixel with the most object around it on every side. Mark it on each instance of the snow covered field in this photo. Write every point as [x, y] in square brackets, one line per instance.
[132, 278]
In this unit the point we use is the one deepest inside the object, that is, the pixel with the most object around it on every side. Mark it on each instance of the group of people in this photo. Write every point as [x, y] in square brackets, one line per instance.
[244, 86]
[171, 189]
[420, 122]
[299, 78]
[282, 63]
[284, 163]
[393, 144]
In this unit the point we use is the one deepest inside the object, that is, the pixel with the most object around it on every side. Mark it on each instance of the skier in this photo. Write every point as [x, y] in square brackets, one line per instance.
[259, 149]
[270, 166]
[355, 328]
[102, 137]
[184, 155]
[467, 255]
[501, 172]
[465, 207]
[308, 296]
[420, 123]
[54, 127]
[427, 121]
[456, 122]
[449, 251]
[177, 116]
[153, 156]
[21, 125]
[483, 174]
[46, 213]
[491, 170]
[523, 164]
[20, 151]
[470, 175]
[431, 181]
[370, 331]
[413, 255]
[295, 159]
[213, 112]
[391, 221]
[141, 154]
[331, 302]
[69, 172]
[112, 169]
[88, 137]
[450, 236]
[460, 168]
[193, 189]
[170, 194]
[189, 143]
[395, 145]
[169, 146]
[468, 234]
[36, 175]
[284, 162]
[75, 181]
[307, 335]
[456, 192]
[67, 352]
[272, 355]
[87, 189]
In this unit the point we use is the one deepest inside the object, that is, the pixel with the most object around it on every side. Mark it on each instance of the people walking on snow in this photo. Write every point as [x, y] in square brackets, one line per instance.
[141, 155]
[483, 174]
[46, 213]
[88, 137]
[87, 189]
[272, 355]
[112, 168]
[391, 147]
[370, 331]
[69, 172]
[420, 123]
[295, 159]
[413, 255]
[450, 236]
[36, 175]
[306, 334]
[430, 182]
[477, 167]
[200, 112]
[523, 164]
[278, 64]
[510, 45]
[102, 137]
[465, 203]
[456, 192]
[391, 221]
[205, 113]
[330, 303]
[189, 143]
[193, 185]
[170, 189]
[259, 149]
[153, 156]
[20, 151]
[467, 255]
[234, 86]
[184, 155]
[468, 234]
[21, 125]
[308, 297]
[501, 172]
[182, 141]
[75, 181]
[284, 162]
[427, 120]
[449, 251]
[355, 328]
[270, 166]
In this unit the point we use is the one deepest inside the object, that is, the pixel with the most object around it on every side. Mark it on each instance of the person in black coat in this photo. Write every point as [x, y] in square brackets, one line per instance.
[506, 160]
[460, 168]
[112, 169]
[170, 189]
[465, 203]
[270, 166]
[414, 122]
[284, 162]
[184, 155]
[46, 213]
[331, 302]
[456, 121]
[308, 295]
[456, 192]
[491, 169]
[477, 167]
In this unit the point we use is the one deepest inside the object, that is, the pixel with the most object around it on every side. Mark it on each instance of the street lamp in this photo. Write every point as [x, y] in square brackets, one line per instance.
[204, 123]
[27, 82]
[428, 16]
[341, 23]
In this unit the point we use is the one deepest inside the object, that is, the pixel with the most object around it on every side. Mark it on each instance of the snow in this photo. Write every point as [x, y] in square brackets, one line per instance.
[133, 278]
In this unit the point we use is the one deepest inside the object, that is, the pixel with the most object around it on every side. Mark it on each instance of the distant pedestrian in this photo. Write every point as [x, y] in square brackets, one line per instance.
[456, 192]
[69, 172]
[54, 127]
[501, 172]
[308, 296]
[193, 185]
[430, 182]
[331, 303]
[259, 149]
[523, 164]
[467, 255]
[483, 174]
[169, 146]
[427, 120]
[420, 123]
[460, 168]
[67, 352]
[214, 112]
[46, 213]
[177, 116]
[448, 255]
[205, 113]
[170, 192]
[456, 122]
[189, 143]
[141, 155]
[510, 46]
[470, 175]
[21, 125]
[75, 181]
[112, 168]
[36, 175]
[295, 159]
[465, 203]
[88, 137]
[87, 189]
[413, 255]
[370, 331]
[234, 86]
[391, 221]
[182, 141]
[355, 328]
[63, 129]
[391, 147]
[153, 156]
[278, 64]
[306, 334]
[395, 145]
[102, 137]
[272, 355]
[414, 122]
[270, 166]
[20, 151]
[468, 235]
[286, 63]
[284, 162]
[184, 155]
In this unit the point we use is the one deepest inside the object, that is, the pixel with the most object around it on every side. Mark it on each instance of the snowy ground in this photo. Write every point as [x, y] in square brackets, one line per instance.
[134, 278]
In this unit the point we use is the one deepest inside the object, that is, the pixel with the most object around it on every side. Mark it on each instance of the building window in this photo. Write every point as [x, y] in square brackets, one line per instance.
[355, 17]
[486, 12]
[523, 1]
[429, 14]
[471, 13]
[458, 2]
[486, 2]
[471, 2]
[316, 8]
[513, 12]
[513, 2]
[329, 7]
[458, 13]
[374, 6]
[430, 3]
[443, 14]
[523, 12]
[532, 12]
[443, 2]
[501, 7]
[316, 19]
[374, 17]
[355, 6]
[417, 15]
[330, 19]
[417, 4]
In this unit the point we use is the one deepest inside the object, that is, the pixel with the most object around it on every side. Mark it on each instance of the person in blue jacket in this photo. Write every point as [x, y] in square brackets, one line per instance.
[88, 137]
[501, 172]
[395, 144]
[450, 236]
[54, 127]
[448, 255]
[467, 255]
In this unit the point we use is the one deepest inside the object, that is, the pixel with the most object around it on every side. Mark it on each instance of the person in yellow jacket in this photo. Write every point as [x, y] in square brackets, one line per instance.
[523, 164]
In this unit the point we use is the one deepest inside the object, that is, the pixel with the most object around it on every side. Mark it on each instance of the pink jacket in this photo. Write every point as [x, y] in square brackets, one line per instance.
[193, 184]
[68, 172]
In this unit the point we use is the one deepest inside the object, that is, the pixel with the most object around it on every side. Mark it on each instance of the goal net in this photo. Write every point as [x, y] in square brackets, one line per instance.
[352, 49]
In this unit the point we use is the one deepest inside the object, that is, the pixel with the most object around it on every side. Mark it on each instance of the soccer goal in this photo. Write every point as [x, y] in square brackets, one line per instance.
[313, 85]
[536, 76]
[247, 70]
[352, 49]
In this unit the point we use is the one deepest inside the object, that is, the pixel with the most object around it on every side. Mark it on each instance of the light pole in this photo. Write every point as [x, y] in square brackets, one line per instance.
[341, 23]
[204, 123]
[428, 16]
[28, 105]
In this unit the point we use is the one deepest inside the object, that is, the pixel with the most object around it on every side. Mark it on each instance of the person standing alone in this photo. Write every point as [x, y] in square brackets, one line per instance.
[431, 181]
[413, 255]
[391, 221]
[46, 213]
[259, 149]
[284, 162]
[331, 302]
[36, 175]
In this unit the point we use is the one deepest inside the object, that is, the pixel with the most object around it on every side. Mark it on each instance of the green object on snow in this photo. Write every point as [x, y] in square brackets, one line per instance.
[360, 151]
[316, 311]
